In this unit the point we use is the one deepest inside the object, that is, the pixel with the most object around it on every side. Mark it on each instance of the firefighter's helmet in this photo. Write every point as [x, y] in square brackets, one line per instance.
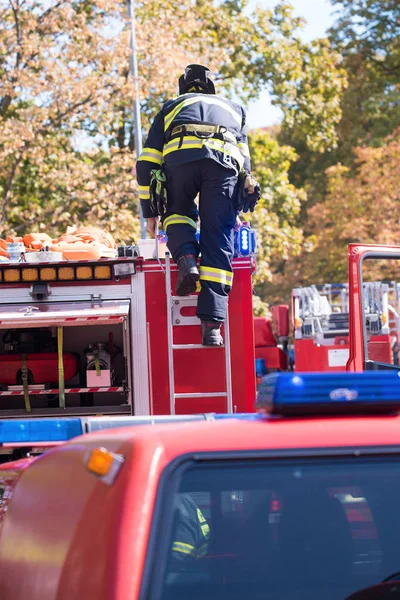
[196, 78]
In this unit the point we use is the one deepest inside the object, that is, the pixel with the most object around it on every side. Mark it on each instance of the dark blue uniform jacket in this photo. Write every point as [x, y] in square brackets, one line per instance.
[187, 109]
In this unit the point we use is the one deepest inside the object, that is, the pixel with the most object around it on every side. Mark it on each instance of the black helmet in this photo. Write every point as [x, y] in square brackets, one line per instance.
[196, 78]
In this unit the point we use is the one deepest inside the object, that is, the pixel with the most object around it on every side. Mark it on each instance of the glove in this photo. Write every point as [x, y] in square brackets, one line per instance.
[251, 194]
[158, 192]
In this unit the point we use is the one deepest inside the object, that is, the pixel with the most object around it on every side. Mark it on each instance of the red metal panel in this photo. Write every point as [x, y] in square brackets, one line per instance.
[275, 358]
[310, 357]
[280, 316]
[263, 332]
[380, 349]
[201, 370]
[62, 313]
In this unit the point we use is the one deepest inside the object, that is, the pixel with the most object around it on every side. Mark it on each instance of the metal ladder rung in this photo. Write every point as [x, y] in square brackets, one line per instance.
[185, 298]
[192, 301]
[194, 347]
[200, 395]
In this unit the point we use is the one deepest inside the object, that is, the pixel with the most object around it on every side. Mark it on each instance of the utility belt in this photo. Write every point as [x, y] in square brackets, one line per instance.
[203, 132]
[216, 137]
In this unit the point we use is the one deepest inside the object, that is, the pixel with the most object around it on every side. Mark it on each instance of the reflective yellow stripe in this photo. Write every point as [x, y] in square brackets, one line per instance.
[200, 516]
[144, 192]
[184, 548]
[244, 149]
[201, 98]
[151, 155]
[218, 275]
[178, 219]
[189, 141]
[153, 151]
[192, 142]
[203, 524]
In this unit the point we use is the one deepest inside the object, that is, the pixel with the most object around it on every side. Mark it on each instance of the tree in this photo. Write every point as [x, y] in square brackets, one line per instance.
[275, 218]
[59, 76]
[360, 207]
[367, 34]
[66, 132]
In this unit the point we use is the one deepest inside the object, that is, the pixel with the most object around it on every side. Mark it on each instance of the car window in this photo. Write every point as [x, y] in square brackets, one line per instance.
[272, 530]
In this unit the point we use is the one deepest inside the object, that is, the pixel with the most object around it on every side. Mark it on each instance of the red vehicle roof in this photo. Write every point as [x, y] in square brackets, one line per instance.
[268, 433]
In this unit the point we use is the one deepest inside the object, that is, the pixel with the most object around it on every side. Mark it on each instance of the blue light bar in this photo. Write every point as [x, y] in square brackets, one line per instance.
[329, 393]
[39, 430]
[32, 430]
[25, 431]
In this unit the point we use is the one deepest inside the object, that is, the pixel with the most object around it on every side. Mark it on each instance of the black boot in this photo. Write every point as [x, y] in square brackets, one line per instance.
[188, 275]
[211, 333]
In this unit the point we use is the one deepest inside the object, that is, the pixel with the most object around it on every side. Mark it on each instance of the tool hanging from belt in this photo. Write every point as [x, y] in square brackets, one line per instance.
[158, 192]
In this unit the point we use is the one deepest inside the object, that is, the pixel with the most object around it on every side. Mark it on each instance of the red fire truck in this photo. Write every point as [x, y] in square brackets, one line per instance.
[108, 336]
[322, 319]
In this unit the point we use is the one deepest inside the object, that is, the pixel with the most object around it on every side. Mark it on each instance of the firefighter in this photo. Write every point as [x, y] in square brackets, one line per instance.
[197, 144]
[191, 532]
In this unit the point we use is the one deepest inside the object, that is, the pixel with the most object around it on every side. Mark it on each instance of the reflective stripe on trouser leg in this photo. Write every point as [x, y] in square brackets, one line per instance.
[177, 220]
[181, 233]
[217, 275]
[217, 217]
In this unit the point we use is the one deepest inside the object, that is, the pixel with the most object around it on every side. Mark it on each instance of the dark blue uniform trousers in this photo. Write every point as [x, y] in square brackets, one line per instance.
[218, 189]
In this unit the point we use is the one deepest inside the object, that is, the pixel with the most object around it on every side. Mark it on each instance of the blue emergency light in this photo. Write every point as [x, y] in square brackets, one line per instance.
[33, 431]
[244, 240]
[304, 394]
[24, 431]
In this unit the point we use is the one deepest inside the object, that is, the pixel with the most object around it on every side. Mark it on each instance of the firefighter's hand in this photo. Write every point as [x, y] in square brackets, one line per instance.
[252, 194]
[238, 222]
[152, 223]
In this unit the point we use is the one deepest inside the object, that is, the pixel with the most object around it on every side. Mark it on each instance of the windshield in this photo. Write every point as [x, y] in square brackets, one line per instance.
[273, 529]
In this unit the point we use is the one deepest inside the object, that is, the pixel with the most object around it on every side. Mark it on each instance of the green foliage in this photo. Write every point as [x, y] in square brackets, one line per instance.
[367, 34]
[339, 209]
[64, 74]
[276, 215]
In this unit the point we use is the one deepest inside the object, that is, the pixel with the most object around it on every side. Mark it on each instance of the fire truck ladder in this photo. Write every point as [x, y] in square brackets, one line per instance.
[175, 318]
